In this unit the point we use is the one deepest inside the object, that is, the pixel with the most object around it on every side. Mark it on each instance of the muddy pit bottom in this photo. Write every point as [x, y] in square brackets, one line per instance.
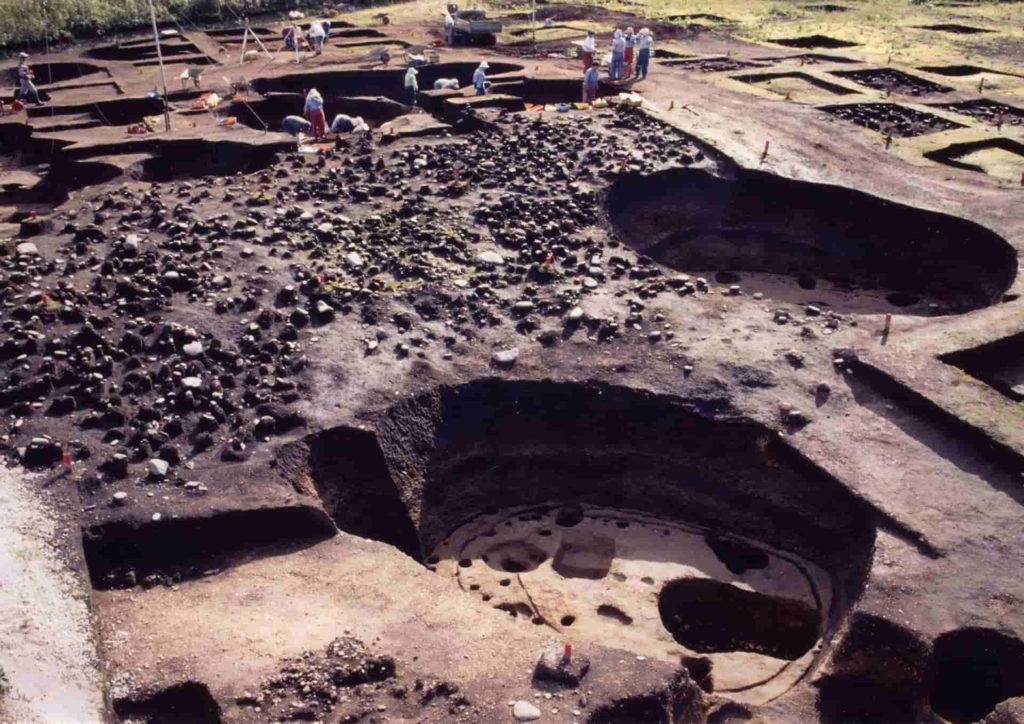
[663, 589]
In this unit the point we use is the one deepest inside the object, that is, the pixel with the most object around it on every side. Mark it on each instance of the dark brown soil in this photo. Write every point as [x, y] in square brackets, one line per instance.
[891, 119]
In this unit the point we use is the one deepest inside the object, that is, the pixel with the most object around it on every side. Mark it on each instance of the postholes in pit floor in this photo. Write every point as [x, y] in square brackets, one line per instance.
[660, 588]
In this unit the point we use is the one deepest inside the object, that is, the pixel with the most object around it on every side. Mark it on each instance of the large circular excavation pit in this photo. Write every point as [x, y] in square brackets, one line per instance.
[612, 516]
[852, 251]
[660, 588]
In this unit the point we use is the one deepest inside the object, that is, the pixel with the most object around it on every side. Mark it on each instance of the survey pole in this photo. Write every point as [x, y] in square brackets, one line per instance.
[160, 60]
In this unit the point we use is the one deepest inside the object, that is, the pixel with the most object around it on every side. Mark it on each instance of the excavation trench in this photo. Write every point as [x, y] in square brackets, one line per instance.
[47, 73]
[273, 109]
[125, 553]
[693, 221]
[1001, 157]
[999, 364]
[143, 51]
[581, 506]
[386, 83]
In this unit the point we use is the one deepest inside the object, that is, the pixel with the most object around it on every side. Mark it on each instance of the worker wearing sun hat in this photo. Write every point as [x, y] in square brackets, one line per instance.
[643, 59]
[26, 88]
[480, 78]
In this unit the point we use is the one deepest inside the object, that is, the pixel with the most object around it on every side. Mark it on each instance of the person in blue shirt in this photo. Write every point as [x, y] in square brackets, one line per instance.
[295, 125]
[618, 55]
[480, 78]
[590, 81]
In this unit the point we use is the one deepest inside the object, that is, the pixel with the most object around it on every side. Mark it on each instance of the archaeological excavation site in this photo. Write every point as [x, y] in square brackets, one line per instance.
[620, 363]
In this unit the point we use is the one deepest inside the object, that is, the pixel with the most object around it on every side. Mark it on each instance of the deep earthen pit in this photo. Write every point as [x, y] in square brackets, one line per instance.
[880, 255]
[609, 514]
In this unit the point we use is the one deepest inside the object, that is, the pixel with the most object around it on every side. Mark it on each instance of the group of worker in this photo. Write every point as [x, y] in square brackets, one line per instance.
[314, 121]
[412, 85]
[316, 36]
[625, 45]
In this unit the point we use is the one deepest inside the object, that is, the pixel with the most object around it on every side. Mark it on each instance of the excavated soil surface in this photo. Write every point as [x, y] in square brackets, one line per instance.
[814, 41]
[370, 430]
[956, 29]
[892, 81]
[793, 81]
[892, 119]
[988, 110]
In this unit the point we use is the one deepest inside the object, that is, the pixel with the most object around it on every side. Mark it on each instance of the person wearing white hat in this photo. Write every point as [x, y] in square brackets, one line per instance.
[643, 60]
[615, 68]
[411, 86]
[480, 78]
[26, 88]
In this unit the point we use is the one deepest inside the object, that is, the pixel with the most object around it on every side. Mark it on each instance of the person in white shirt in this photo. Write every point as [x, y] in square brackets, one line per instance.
[317, 35]
[449, 28]
[412, 86]
[644, 41]
[587, 50]
[480, 78]
[26, 88]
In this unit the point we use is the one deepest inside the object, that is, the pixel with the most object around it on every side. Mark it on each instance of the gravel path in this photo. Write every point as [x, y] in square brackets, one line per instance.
[46, 648]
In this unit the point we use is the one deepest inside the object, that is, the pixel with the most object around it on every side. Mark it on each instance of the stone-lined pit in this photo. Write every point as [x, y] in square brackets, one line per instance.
[984, 109]
[693, 221]
[717, 64]
[892, 81]
[892, 119]
[574, 505]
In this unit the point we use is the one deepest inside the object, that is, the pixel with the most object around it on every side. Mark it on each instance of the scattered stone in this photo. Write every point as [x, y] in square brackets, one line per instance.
[158, 468]
[554, 666]
[506, 358]
[525, 711]
[490, 257]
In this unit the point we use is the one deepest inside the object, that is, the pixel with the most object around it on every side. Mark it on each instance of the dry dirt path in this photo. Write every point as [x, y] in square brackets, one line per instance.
[47, 651]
